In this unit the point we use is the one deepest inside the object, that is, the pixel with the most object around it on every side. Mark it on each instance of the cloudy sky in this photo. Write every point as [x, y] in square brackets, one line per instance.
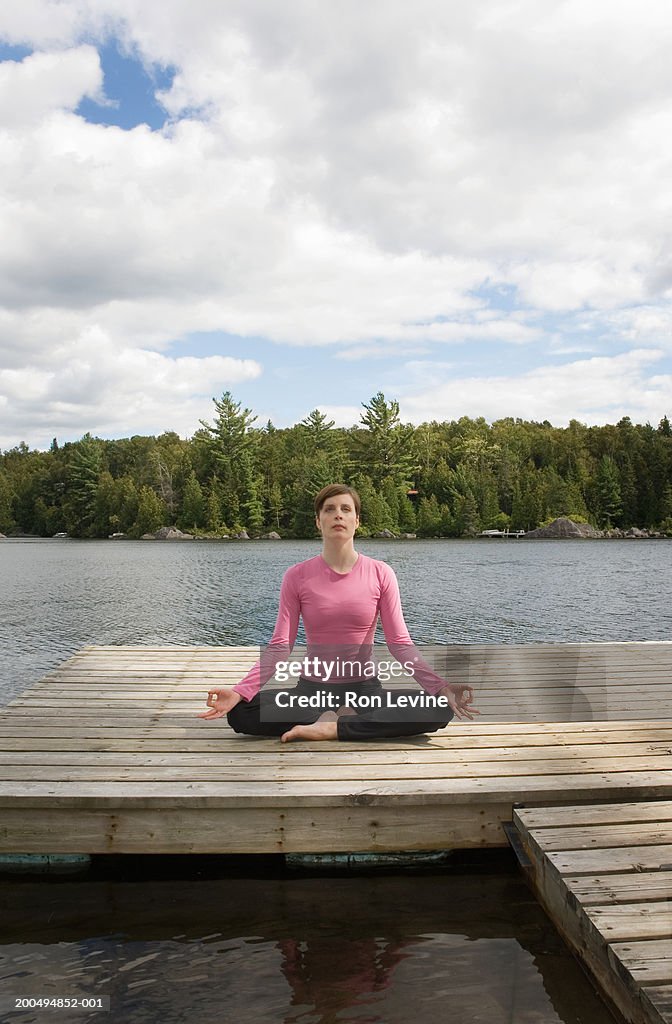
[466, 206]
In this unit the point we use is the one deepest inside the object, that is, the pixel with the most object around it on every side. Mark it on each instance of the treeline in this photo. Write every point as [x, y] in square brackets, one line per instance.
[450, 479]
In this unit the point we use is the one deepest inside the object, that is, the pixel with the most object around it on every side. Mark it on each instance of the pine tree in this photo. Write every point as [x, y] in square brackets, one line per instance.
[7, 520]
[214, 510]
[407, 518]
[488, 507]
[448, 526]
[82, 487]
[391, 496]
[322, 447]
[370, 517]
[251, 486]
[151, 512]
[467, 521]
[666, 509]
[318, 427]
[229, 436]
[429, 519]
[230, 443]
[193, 504]
[628, 482]
[275, 505]
[526, 511]
[608, 493]
[126, 503]
[385, 448]
[106, 520]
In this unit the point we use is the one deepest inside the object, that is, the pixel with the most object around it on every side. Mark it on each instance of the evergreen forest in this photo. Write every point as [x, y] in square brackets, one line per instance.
[449, 479]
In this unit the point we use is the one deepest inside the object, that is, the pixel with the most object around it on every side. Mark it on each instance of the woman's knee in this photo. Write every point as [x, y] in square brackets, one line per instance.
[238, 718]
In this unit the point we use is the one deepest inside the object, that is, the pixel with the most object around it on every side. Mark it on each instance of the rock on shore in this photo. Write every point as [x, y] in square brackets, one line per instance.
[563, 528]
[167, 533]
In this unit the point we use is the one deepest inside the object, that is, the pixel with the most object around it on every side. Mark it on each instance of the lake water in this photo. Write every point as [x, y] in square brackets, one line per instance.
[246, 940]
[58, 595]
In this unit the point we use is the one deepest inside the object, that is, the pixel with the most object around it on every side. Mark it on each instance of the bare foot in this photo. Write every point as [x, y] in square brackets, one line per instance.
[319, 730]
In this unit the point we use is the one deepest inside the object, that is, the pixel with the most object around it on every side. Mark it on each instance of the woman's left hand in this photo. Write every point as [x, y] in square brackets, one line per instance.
[460, 699]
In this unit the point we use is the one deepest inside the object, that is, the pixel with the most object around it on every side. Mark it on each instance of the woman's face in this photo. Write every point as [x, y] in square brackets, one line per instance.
[338, 517]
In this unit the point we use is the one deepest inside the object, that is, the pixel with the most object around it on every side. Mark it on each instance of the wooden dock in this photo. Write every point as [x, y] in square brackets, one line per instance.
[604, 875]
[106, 755]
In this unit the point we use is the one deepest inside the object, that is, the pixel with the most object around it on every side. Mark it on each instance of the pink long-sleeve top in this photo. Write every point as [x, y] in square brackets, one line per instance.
[339, 612]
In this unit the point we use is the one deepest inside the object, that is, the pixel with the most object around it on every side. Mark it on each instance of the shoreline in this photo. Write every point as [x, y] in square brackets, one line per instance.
[641, 536]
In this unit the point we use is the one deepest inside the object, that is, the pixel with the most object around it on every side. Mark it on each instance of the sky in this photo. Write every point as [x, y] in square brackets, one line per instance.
[467, 207]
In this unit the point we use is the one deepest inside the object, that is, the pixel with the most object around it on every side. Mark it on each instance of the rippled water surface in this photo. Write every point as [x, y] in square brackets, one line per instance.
[458, 946]
[56, 596]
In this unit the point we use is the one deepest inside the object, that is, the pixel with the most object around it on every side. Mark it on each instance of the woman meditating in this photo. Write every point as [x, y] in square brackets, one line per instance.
[339, 594]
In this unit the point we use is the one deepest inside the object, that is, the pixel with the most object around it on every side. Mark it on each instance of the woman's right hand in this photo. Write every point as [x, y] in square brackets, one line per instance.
[460, 699]
[220, 702]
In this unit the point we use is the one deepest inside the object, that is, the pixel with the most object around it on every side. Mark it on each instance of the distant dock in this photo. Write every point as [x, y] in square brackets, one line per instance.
[503, 534]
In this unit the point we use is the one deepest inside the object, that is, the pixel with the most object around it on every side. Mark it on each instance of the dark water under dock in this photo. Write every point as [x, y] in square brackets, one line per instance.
[218, 940]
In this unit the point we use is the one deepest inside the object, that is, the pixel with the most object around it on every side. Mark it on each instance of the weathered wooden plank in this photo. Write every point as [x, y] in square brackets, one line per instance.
[193, 829]
[378, 754]
[551, 715]
[176, 683]
[441, 747]
[633, 922]
[649, 962]
[531, 676]
[166, 742]
[567, 734]
[602, 836]
[329, 757]
[659, 998]
[560, 817]
[652, 707]
[650, 785]
[505, 741]
[451, 771]
[486, 653]
[610, 889]
[550, 666]
[634, 858]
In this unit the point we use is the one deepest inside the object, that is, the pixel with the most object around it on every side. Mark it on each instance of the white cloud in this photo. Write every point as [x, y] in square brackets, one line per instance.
[643, 324]
[380, 351]
[346, 176]
[597, 390]
[44, 82]
[40, 22]
[115, 391]
[342, 415]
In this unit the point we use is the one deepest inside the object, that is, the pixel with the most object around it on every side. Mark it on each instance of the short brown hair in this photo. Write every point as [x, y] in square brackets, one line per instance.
[330, 491]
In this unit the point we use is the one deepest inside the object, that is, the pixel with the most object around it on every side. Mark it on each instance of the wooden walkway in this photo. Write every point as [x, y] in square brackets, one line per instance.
[604, 875]
[106, 755]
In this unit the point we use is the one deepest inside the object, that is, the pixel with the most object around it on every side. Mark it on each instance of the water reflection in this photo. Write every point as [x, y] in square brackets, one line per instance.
[453, 945]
